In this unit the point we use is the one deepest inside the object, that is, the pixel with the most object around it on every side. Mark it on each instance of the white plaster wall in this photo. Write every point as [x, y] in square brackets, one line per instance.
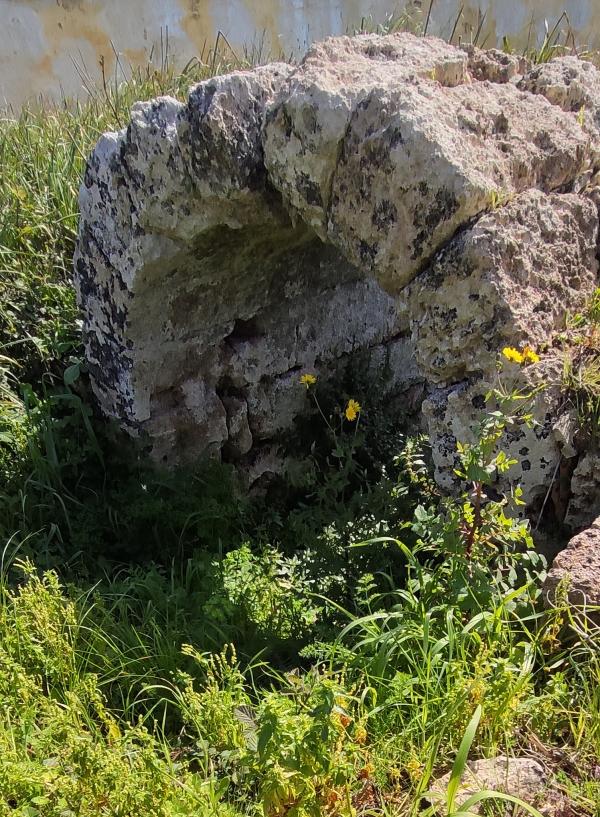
[46, 45]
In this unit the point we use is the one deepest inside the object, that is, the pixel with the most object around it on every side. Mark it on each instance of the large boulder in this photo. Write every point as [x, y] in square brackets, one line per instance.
[577, 569]
[391, 206]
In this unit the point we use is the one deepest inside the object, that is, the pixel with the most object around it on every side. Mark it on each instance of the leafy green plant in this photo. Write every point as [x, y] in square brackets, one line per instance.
[481, 535]
[308, 752]
[63, 751]
[559, 39]
[267, 595]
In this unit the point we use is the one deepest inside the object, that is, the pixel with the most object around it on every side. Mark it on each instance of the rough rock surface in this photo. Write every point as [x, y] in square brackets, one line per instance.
[509, 279]
[571, 84]
[578, 567]
[393, 205]
[522, 777]
[495, 65]
[386, 149]
[584, 503]
[452, 414]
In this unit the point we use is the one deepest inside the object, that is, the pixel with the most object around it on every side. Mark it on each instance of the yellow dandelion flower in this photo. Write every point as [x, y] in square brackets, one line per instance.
[308, 380]
[512, 354]
[530, 355]
[352, 410]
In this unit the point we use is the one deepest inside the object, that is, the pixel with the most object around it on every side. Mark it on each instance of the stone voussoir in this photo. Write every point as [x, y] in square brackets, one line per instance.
[507, 281]
[386, 149]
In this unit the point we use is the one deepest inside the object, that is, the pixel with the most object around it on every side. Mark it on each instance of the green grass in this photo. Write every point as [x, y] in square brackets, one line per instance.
[581, 371]
[558, 37]
[168, 647]
[105, 710]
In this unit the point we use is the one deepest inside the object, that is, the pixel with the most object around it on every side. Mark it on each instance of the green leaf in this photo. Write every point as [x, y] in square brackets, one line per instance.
[265, 735]
[460, 762]
[497, 795]
[71, 374]
[246, 716]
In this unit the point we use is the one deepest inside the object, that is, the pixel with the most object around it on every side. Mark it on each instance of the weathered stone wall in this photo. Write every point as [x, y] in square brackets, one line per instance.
[45, 45]
[391, 200]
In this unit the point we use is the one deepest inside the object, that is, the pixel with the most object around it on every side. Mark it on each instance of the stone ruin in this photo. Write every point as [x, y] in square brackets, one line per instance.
[392, 200]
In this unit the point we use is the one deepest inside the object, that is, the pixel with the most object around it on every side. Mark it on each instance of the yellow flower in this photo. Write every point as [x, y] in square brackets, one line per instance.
[414, 768]
[395, 774]
[512, 354]
[308, 380]
[530, 356]
[360, 735]
[477, 690]
[352, 410]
